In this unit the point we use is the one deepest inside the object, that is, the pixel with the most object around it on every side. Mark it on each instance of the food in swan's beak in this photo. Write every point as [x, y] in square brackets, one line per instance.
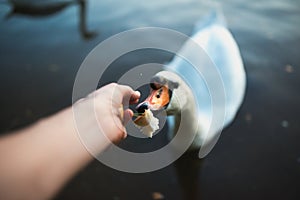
[147, 123]
[158, 99]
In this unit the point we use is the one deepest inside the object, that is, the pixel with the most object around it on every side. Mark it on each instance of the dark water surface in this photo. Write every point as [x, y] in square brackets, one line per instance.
[257, 157]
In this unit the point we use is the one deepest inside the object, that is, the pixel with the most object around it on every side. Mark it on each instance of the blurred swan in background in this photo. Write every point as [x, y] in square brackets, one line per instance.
[40, 8]
[179, 89]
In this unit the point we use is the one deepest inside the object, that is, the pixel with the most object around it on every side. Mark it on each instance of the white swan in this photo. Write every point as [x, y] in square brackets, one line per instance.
[179, 90]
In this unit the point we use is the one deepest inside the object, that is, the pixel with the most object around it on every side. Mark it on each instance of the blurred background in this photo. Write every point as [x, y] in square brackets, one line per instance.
[43, 44]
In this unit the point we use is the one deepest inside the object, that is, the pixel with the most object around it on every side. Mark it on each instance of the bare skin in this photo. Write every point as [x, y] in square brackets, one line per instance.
[37, 161]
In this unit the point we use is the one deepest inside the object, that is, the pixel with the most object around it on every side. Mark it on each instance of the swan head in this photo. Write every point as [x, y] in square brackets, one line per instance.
[160, 96]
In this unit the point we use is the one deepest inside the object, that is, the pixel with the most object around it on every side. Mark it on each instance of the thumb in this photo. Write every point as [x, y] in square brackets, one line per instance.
[128, 114]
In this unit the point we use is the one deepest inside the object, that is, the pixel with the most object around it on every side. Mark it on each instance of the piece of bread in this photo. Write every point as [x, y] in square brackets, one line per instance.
[147, 123]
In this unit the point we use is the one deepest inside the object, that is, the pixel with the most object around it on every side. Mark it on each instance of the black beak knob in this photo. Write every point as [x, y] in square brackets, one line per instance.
[142, 107]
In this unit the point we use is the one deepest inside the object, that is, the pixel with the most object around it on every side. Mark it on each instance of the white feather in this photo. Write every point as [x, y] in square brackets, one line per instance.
[218, 43]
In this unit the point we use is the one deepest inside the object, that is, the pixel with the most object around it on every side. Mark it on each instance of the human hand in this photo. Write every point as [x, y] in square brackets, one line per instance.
[53, 145]
[108, 106]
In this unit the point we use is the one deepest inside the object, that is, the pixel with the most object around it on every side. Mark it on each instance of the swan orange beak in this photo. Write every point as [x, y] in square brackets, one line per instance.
[158, 99]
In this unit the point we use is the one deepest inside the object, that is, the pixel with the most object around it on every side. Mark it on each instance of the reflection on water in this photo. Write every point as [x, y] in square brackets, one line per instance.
[37, 8]
[188, 168]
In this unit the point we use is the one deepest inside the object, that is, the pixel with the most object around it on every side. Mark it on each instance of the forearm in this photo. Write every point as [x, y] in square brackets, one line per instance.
[37, 161]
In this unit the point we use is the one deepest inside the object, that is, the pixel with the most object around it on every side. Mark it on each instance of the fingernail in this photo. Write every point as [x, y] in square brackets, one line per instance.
[137, 93]
[125, 134]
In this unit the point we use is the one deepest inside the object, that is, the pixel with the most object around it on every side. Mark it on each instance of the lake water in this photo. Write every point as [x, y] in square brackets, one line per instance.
[257, 157]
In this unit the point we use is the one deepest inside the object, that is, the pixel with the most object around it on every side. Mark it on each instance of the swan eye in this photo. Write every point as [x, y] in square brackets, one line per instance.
[159, 93]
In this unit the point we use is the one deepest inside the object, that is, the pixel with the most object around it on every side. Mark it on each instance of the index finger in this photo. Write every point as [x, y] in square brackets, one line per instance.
[128, 92]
